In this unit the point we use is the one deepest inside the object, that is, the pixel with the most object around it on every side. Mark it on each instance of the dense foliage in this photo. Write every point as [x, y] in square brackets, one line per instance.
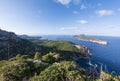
[37, 56]
[16, 68]
[108, 77]
[63, 71]
[51, 68]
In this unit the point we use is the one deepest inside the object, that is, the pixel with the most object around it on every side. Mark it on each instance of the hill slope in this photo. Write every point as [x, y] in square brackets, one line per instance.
[11, 44]
[68, 50]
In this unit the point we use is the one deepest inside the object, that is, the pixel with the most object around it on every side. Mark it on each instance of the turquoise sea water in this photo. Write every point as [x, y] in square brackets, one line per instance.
[106, 55]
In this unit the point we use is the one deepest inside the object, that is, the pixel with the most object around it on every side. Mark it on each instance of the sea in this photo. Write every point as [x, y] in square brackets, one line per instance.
[105, 56]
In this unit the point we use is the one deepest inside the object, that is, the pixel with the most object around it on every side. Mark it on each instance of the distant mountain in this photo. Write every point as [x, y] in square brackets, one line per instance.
[11, 44]
[31, 38]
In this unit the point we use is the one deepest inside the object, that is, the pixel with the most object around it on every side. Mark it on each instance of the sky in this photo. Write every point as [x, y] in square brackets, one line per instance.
[61, 17]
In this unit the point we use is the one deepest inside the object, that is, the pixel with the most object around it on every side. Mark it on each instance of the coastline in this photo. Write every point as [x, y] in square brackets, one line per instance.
[86, 55]
[101, 42]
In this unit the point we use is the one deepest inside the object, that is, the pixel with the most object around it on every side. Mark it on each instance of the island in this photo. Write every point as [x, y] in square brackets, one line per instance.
[90, 39]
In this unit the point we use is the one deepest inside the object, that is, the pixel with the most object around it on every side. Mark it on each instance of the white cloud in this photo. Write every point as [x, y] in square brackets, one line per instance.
[82, 7]
[67, 2]
[63, 2]
[104, 12]
[82, 21]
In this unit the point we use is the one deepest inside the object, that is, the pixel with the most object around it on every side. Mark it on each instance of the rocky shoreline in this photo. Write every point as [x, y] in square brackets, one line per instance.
[89, 39]
[96, 41]
[86, 55]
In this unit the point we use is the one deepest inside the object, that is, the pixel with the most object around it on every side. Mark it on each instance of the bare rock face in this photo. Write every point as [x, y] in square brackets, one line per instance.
[11, 44]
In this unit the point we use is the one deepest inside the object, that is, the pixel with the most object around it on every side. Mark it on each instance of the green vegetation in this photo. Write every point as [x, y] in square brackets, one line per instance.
[51, 68]
[11, 44]
[109, 77]
[84, 37]
[37, 56]
[66, 49]
[51, 57]
[59, 45]
[53, 61]
[63, 71]
[16, 68]
[10, 47]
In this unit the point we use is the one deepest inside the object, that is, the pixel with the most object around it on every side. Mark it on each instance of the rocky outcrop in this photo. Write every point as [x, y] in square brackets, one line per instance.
[99, 42]
[90, 39]
[86, 52]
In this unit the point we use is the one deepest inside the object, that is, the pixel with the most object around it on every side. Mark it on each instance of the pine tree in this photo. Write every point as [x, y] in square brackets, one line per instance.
[37, 56]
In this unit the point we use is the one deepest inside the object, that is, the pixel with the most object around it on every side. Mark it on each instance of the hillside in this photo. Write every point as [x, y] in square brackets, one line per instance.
[68, 50]
[23, 67]
[11, 44]
[31, 38]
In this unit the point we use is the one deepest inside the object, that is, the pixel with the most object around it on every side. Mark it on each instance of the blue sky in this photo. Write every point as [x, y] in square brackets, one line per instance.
[61, 17]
